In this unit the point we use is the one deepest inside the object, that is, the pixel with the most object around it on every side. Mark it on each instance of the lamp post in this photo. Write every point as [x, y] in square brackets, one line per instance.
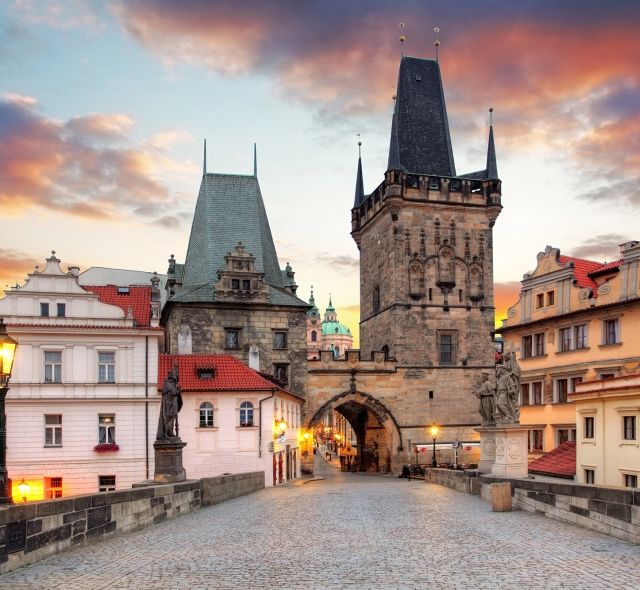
[434, 435]
[24, 489]
[7, 354]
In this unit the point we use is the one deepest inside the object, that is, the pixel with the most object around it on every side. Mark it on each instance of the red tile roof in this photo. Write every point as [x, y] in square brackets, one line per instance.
[228, 373]
[561, 462]
[58, 326]
[581, 270]
[607, 267]
[138, 299]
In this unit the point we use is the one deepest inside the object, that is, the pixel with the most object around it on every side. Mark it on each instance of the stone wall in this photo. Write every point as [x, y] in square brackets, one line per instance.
[218, 489]
[30, 532]
[613, 511]
[256, 324]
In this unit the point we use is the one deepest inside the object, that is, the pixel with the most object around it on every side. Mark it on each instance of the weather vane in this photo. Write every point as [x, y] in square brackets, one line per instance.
[359, 144]
[402, 39]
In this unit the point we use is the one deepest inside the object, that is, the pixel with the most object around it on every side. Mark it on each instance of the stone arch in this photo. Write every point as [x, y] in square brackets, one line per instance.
[358, 407]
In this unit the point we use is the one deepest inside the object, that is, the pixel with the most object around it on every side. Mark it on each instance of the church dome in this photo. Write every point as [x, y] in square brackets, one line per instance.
[333, 328]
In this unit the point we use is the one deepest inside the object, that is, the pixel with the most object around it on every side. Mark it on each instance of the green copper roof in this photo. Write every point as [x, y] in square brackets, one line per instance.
[332, 328]
[229, 210]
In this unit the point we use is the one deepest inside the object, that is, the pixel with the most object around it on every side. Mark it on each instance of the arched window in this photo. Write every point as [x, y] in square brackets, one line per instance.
[385, 349]
[246, 414]
[206, 415]
[314, 336]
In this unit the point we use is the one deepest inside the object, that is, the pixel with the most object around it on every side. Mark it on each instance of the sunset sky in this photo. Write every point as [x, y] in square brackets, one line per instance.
[104, 107]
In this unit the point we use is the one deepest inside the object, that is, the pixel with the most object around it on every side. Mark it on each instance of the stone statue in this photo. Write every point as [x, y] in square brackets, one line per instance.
[170, 406]
[508, 390]
[486, 393]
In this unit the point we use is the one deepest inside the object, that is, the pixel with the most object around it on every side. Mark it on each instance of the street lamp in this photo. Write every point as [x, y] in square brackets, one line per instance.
[434, 435]
[7, 354]
[24, 489]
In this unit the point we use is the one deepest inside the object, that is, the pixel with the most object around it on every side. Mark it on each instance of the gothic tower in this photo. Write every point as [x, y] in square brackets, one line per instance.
[425, 240]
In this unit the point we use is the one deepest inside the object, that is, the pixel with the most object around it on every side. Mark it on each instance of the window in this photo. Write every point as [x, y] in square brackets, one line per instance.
[106, 428]
[281, 373]
[562, 388]
[246, 414]
[574, 381]
[581, 336]
[538, 340]
[535, 440]
[566, 339]
[106, 367]
[235, 284]
[44, 310]
[280, 340]
[527, 348]
[206, 415]
[123, 290]
[52, 487]
[53, 366]
[610, 331]
[629, 427]
[551, 297]
[539, 300]
[246, 285]
[314, 336]
[376, 298]
[606, 375]
[565, 434]
[232, 339]
[589, 427]
[205, 373]
[630, 480]
[106, 483]
[589, 476]
[446, 348]
[62, 307]
[53, 430]
[537, 393]
[524, 394]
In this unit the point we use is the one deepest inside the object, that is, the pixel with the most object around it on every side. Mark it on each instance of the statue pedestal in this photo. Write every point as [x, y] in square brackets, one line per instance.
[504, 451]
[169, 460]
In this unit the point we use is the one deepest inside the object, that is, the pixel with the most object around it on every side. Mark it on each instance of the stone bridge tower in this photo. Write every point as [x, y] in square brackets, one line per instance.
[426, 286]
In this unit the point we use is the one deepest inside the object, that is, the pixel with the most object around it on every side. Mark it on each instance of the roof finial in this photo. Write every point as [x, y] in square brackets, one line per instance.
[490, 116]
[204, 164]
[402, 40]
[330, 304]
[359, 146]
[255, 159]
[436, 43]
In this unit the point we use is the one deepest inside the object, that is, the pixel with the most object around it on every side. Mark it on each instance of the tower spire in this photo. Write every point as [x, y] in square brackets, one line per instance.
[492, 166]
[255, 159]
[359, 182]
[204, 163]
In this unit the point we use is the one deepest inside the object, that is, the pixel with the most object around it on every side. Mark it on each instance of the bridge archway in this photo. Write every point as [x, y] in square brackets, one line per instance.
[376, 430]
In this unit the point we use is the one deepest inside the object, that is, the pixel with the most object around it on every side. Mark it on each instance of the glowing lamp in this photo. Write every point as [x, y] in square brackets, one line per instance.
[434, 431]
[7, 353]
[24, 488]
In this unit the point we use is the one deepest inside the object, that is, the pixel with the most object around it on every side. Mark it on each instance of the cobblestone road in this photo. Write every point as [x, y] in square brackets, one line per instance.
[348, 531]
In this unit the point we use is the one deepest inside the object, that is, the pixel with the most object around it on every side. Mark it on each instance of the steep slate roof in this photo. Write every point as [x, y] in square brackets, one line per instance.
[420, 140]
[561, 462]
[229, 373]
[138, 299]
[229, 210]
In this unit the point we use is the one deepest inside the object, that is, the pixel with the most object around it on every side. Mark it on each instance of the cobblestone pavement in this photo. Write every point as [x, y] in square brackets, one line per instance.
[347, 531]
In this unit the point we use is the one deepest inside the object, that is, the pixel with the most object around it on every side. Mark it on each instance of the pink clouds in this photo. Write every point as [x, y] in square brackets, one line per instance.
[69, 167]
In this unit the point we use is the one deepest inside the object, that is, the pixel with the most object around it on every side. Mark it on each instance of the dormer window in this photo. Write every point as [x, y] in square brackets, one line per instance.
[205, 373]
[123, 290]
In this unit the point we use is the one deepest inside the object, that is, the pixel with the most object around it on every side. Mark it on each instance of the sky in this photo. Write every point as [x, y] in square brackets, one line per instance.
[104, 106]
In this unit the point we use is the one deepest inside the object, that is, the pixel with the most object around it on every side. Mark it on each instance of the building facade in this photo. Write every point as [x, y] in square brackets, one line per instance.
[608, 442]
[230, 295]
[82, 408]
[576, 320]
[426, 284]
[328, 334]
[234, 419]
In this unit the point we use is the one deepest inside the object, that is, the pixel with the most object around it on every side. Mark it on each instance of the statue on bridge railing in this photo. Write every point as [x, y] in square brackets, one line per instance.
[170, 406]
[499, 395]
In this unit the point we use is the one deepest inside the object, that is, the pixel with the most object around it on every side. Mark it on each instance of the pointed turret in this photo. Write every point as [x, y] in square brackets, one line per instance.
[420, 139]
[359, 182]
[204, 162]
[492, 166]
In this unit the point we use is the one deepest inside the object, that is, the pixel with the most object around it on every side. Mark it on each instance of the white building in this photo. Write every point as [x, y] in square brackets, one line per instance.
[82, 407]
[235, 419]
